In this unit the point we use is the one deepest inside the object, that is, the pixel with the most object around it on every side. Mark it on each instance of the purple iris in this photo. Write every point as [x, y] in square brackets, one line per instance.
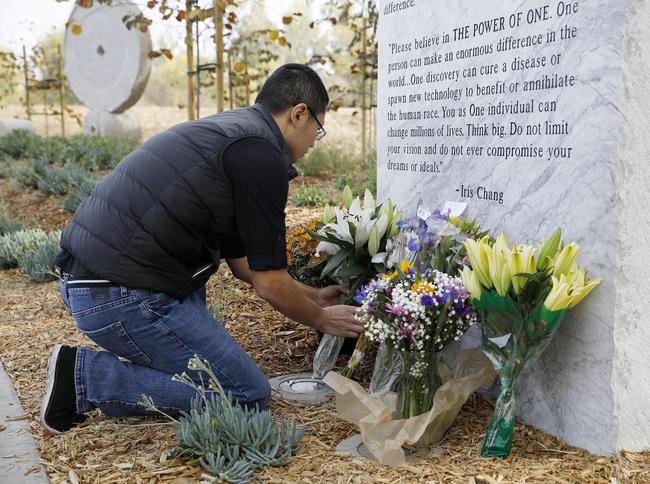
[439, 215]
[426, 300]
[441, 299]
[462, 311]
[362, 292]
[414, 245]
[405, 225]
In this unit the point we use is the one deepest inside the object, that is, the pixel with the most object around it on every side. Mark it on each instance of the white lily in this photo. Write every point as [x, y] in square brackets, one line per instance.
[382, 224]
[361, 219]
[340, 229]
[374, 241]
[369, 200]
[328, 248]
[381, 257]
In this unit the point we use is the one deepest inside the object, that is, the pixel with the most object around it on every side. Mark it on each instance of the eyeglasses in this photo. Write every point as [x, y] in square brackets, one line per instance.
[320, 132]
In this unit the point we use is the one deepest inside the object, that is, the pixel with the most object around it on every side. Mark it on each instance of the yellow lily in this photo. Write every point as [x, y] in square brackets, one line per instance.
[517, 267]
[549, 250]
[499, 268]
[558, 298]
[479, 254]
[471, 282]
[502, 244]
[565, 295]
[565, 259]
[522, 260]
[580, 294]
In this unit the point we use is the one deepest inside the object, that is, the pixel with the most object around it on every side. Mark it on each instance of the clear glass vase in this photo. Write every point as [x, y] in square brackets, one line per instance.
[387, 370]
[419, 383]
[326, 355]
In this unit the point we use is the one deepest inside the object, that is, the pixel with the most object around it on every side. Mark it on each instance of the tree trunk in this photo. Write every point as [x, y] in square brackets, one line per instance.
[189, 42]
[218, 40]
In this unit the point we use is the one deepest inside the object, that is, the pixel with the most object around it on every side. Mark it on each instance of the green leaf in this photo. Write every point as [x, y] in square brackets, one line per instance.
[352, 270]
[330, 238]
[336, 260]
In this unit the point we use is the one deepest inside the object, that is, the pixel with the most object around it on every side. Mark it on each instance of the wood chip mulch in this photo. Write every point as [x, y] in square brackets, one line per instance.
[32, 320]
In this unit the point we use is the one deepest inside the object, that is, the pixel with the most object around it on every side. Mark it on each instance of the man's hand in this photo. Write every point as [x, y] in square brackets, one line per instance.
[330, 295]
[280, 290]
[340, 321]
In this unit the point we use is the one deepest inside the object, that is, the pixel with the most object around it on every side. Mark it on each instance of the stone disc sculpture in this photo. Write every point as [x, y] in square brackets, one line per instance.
[106, 63]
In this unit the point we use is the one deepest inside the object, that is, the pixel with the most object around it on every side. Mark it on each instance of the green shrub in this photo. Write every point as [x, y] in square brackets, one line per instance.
[361, 179]
[49, 149]
[53, 182]
[14, 247]
[39, 265]
[96, 153]
[226, 439]
[324, 159]
[309, 197]
[30, 174]
[80, 187]
[89, 152]
[8, 226]
[315, 163]
[17, 143]
[6, 166]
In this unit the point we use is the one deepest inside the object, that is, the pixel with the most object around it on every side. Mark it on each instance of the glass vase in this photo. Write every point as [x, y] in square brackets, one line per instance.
[419, 383]
[387, 370]
[326, 355]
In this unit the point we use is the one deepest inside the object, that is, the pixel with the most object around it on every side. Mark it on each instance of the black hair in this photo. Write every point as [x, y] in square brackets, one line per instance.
[293, 84]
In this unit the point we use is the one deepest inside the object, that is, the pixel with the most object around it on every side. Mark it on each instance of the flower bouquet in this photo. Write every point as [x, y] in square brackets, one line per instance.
[431, 239]
[353, 236]
[304, 265]
[522, 296]
[418, 314]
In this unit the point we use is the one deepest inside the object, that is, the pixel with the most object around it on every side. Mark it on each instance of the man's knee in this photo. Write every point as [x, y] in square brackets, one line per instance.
[260, 395]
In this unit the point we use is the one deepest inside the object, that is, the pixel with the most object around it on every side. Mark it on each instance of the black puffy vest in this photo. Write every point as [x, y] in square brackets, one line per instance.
[160, 215]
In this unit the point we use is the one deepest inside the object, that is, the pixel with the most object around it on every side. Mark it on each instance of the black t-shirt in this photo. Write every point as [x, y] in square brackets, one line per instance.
[260, 178]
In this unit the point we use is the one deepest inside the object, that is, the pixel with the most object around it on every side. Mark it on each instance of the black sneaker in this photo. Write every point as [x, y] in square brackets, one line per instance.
[59, 406]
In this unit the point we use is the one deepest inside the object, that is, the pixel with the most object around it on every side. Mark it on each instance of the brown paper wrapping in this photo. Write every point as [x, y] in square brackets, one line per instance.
[384, 432]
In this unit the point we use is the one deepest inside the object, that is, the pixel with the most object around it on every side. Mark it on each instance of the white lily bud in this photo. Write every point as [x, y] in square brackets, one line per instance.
[368, 200]
[328, 214]
[347, 196]
[373, 241]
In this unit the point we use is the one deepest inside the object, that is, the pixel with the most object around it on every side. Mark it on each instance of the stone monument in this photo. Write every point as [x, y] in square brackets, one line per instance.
[536, 115]
[107, 65]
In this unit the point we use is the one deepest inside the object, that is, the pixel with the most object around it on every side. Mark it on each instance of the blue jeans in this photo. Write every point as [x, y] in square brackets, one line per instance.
[154, 336]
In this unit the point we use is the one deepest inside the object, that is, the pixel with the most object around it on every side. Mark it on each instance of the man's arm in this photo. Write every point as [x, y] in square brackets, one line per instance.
[239, 269]
[281, 291]
[324, 297]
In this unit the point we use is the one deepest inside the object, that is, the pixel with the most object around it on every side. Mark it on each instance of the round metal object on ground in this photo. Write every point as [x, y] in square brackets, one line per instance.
[301, 387]
[106, 63]
[357, 449]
